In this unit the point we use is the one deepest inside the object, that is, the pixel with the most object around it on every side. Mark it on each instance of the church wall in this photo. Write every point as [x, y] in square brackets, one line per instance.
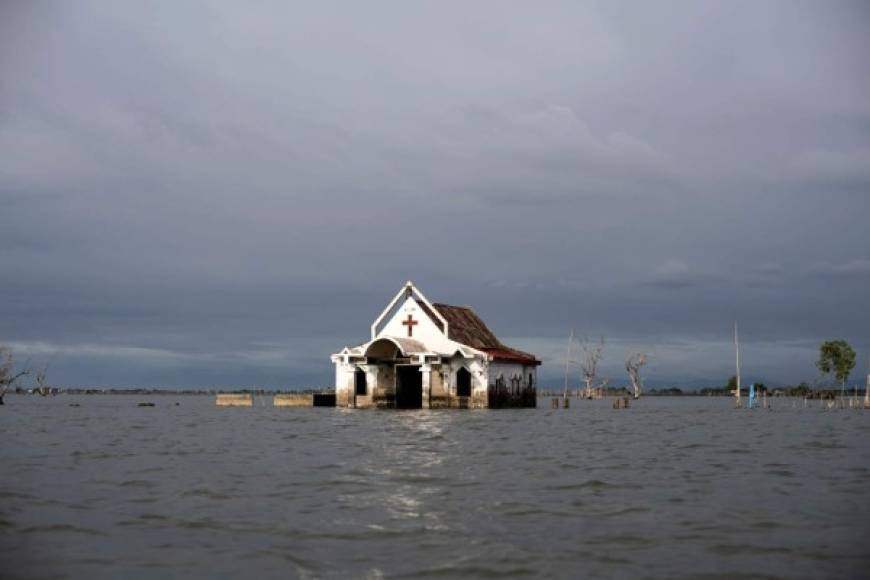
[511, 370]
[380, 385]
[478, 386]
[442, 394]
[477, 368]
[343, 385]
[516, 379]
[367, 400]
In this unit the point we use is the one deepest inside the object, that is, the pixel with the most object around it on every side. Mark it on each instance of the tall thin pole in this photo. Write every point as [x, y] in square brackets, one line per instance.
[867, 386]
[568, 361]
[737, 357]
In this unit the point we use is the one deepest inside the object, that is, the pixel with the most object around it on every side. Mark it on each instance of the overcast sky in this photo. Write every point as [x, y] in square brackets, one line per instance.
[224, 193]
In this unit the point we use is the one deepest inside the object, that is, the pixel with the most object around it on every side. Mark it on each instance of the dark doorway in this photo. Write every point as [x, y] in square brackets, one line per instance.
[360, 386]
[409, 387]
[463, 383]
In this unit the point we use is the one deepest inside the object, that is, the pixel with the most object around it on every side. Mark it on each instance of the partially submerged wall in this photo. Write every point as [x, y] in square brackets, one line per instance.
[293, 400]
[304, 400]
[234, 400]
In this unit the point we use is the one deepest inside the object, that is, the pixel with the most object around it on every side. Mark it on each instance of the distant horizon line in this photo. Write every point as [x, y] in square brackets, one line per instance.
[310, 389]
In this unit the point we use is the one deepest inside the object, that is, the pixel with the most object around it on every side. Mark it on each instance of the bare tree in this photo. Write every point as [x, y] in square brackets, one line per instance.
[589, 364]
[633, 362]
[8, 376]
[42, 386]
[569, 360]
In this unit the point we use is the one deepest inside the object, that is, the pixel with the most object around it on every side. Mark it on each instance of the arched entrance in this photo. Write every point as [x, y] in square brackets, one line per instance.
[360, 384]
[463, 383]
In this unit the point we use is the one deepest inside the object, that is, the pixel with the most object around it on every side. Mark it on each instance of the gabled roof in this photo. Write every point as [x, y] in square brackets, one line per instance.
[460, 324]
[466, 327]
[408, 291]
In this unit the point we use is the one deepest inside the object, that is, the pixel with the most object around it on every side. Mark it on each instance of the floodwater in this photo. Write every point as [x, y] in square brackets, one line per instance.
[672, 487]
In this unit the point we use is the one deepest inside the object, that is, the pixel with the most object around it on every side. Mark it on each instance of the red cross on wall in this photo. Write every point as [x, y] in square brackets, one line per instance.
[410, 323]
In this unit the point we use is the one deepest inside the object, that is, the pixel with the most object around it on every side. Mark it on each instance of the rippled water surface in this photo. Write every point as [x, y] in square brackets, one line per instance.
[671, 487]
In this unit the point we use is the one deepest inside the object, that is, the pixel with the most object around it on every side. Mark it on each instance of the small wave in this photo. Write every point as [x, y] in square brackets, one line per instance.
[64, 528]
[588, 484]
[417, 479]
[7, 494]
[766, 525]
[472, 571]
[781, 472]
[695, 446]
[626, 511]
[747, 549]
[204, 524]
[819, 444]
[138, 483]
[98, 455]
[208, 493]
[623, 540]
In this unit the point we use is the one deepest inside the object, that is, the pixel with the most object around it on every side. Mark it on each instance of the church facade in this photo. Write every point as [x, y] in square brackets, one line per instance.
[425, 355]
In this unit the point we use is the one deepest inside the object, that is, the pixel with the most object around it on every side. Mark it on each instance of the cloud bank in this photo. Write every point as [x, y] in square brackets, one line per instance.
[208, 194]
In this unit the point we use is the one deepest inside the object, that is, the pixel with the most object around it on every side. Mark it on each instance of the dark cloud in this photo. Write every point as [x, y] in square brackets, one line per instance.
[675, 274]
[850, 268]
[210, 194]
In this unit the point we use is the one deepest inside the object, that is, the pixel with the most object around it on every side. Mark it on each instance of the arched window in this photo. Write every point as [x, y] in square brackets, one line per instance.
[463, 383]
[359, 381]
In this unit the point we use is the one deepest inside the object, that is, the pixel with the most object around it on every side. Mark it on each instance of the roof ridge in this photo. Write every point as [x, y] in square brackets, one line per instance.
[465, 306]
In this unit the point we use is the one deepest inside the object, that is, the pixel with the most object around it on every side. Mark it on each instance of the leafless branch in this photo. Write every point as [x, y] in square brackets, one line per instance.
[8, 376]
[589, 364]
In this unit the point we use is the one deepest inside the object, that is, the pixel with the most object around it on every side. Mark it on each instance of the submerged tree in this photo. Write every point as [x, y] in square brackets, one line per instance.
[633, 362]
[589, 364]
[836, 357]
[42, 386]
[8, 376]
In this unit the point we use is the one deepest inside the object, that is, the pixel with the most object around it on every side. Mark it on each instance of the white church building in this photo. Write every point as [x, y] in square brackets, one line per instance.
[425, 355]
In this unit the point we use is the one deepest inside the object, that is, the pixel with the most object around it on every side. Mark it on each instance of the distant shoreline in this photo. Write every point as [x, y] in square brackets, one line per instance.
[179, 392]
[672, 392]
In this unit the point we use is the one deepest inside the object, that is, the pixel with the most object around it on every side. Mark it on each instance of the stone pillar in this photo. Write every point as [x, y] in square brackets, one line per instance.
[372, 383]
[427, 384]
[344, 385]
[383, 394]
[372, 378]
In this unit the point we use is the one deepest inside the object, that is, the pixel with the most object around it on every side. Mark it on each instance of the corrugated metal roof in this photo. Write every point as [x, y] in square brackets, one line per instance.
[466, 327]
[511, 354]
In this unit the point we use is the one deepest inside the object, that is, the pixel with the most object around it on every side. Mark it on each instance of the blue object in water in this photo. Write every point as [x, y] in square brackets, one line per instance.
[751, 394]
